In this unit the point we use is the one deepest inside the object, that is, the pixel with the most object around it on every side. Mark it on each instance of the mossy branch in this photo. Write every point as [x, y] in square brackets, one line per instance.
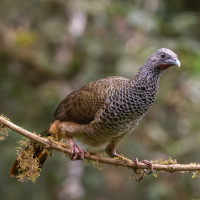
[169, 166]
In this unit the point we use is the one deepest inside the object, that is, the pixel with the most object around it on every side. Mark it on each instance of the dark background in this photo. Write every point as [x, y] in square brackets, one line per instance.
[49, 48]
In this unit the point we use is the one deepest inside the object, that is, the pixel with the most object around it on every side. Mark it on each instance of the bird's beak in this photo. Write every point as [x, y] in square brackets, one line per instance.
[173, 62]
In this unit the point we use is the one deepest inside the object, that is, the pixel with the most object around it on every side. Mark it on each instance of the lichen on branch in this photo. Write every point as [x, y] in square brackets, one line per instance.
[3, 130]
[29, 166]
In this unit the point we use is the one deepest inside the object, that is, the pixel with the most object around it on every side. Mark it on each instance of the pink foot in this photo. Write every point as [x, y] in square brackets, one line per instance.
[149, 164]
[77, 153]
[144, 171]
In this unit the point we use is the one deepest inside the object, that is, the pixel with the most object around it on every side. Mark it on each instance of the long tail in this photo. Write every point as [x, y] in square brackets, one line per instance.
[39, 153]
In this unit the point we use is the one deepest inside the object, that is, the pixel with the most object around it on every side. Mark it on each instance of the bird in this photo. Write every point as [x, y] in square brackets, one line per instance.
[101, 113]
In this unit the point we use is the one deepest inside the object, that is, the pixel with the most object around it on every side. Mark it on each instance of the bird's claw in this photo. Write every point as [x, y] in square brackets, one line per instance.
[76, 152]
[150, 166]
[143, 172]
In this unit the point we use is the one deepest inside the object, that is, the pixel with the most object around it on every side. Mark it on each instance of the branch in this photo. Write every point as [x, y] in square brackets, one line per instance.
[51, 145]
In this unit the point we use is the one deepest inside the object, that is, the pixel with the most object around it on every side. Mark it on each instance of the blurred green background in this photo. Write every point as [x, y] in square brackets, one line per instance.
[49, 48]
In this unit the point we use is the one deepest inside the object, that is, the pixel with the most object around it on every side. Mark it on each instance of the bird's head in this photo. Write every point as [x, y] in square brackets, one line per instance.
[162, 59]
[158, 62]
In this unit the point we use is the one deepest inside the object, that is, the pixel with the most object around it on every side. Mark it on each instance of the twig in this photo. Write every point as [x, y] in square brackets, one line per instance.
[49, 144]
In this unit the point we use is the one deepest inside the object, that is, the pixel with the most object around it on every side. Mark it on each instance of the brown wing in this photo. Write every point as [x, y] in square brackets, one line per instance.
[82, 105]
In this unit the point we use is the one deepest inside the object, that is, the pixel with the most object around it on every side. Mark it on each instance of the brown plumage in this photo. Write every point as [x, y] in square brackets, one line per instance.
[102, 112]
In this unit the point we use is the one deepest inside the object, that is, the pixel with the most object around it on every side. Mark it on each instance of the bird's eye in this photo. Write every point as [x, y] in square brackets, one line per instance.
[162, 55]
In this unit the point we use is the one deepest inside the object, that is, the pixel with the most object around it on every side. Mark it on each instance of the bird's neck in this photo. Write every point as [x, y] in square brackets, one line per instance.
[147, 78]
[148, 73]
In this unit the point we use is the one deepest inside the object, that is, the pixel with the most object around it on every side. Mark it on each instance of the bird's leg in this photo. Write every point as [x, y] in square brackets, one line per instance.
[68, 130]
[144, 172]
[111, 151]
[77, 153]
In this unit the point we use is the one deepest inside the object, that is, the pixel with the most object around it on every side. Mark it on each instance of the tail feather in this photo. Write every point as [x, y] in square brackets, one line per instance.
[14, 169]
[39, 153]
